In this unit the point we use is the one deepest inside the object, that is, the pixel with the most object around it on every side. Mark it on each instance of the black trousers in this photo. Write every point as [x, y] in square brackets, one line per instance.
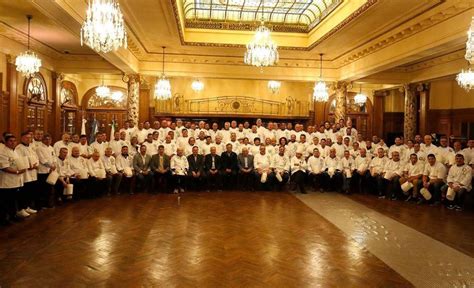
[246, 180]
[277, 185]
[229, 179]
[161, 183]
[360, 181]
[113, 183]
[317, 180]
[299, 178]
[333, 183]
[268, 185]
[8, 203]
[144, 181]
[27, 195]
[179, 181]
[214, 181]
[45, 194]
[128, 184]
[195, 183]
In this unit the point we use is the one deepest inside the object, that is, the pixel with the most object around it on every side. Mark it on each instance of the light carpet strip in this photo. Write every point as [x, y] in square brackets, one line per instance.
[422, 260]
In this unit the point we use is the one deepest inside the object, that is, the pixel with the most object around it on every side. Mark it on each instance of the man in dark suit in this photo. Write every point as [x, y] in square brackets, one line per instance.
[141, 166]
[196, 169]
[212, 164]
[160, 165]
[229, 167]
[245, 164]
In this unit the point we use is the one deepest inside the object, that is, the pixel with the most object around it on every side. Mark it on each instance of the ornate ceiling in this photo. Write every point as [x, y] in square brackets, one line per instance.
[367, 40]
[281, 15]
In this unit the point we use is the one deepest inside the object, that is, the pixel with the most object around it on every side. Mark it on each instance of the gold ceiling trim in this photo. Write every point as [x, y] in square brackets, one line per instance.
[287, 28]
[340, 26]
[413, 29]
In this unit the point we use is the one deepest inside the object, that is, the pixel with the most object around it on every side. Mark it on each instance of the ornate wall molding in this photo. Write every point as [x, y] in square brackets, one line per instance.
[397, 35]
[133, 98]
[409, 120]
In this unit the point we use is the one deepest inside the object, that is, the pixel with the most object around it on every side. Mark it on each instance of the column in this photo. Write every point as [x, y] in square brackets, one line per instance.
[409, 121]
[341, 100]
[12, 89]
[377, 114]
[133, 98]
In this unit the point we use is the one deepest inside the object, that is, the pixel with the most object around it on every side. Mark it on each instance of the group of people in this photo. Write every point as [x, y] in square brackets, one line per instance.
[173, 156]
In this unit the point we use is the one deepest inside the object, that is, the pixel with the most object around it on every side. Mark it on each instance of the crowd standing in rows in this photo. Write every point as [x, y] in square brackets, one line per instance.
[173, 156]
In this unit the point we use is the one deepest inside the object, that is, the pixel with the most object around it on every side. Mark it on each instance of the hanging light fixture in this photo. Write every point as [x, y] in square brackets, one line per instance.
[197, 86]
[163, 86]
[261, 51]
[465, 79]
[360, 98]
[104, 29]
[274, 86]
[320, 91]
[28, 63]
[102, 91]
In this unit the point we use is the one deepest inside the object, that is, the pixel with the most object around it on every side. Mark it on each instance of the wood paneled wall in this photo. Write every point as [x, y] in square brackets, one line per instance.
[449, 121]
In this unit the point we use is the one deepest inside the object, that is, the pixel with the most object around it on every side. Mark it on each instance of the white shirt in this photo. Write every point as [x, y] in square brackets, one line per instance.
[109, 164]
[46, 158]
[280, 163]
[27, 151]
[315, 164]
[116, 146]
[100, 147]
[235, 146]
[298, 164]
[339, 149]
[219, 148]
[437, 171]
[8, 158]
[332, 163]
[170, 148]
[77, 164]
[262, 161]
[348, 164]
[60, 144]
[414, 170]
[468, 155]
[461, 175]
[121, 162]
[179, 165]
[395, 167]
[151, 148]
[63, 167]
[359, 161]
[84, 150]
[94, 166]
[377, 164]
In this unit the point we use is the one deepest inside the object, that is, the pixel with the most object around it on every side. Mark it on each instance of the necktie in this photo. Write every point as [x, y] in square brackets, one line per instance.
[161, 163]
[213, 166]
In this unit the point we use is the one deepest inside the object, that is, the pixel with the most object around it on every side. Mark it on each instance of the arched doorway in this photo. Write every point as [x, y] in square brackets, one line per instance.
[69, 108]
[105, 110]
[360, 115]
[36, 105]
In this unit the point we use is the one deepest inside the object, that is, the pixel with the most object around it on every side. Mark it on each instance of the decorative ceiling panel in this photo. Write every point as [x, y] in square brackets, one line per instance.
[283, 15]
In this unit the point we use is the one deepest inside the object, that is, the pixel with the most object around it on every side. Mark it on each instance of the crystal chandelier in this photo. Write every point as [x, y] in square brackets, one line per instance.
[274, 86]
[28, 63]
[465, 79]
[261, 51]
[360, 99]
[163, 86]
[102, 91]
[197, 86]
[320, 91]
[117, 96]
[104, 28]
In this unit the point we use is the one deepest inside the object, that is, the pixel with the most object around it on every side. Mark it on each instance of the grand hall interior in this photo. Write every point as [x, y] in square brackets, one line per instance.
[236, 143]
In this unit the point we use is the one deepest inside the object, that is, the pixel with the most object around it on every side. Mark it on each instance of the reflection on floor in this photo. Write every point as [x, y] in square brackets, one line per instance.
[422, 260]
[227, 239]
[453, 228]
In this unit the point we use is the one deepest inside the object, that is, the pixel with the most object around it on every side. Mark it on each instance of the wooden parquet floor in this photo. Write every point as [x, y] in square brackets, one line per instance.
[447, 226]
[222, 239]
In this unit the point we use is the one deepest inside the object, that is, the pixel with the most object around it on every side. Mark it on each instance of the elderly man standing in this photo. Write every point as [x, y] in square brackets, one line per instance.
[229, 166]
